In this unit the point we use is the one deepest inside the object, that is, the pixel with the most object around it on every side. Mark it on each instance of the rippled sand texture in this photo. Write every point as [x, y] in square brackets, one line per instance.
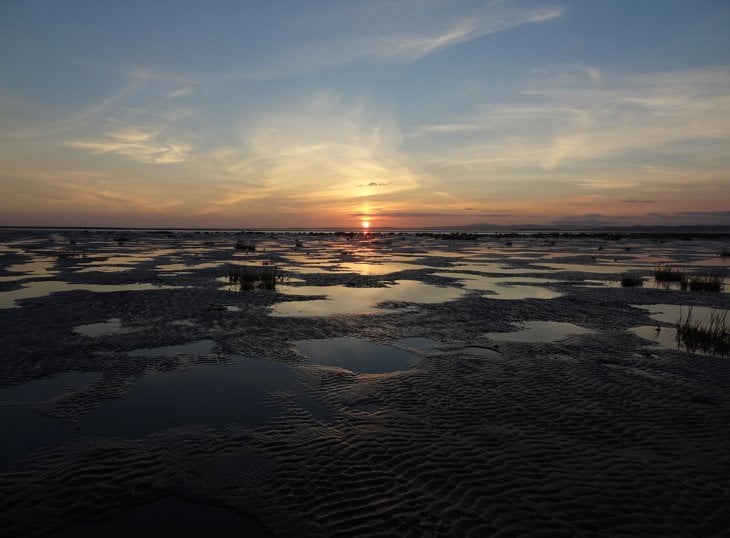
[592, 430]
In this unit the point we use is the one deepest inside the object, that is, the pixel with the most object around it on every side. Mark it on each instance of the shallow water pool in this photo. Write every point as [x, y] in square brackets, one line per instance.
[212, 394]
[505, 288]
[41, 288]
[111, 326]
[541, 331]
[356, 354]
[41, 389]
[200, 348]
[666, 337]
[350, 300]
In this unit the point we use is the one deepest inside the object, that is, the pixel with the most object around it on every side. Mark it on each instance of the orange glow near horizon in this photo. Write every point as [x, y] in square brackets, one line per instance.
[365, 225]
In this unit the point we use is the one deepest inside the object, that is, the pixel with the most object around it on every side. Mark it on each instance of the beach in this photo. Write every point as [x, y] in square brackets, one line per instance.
[359, 384]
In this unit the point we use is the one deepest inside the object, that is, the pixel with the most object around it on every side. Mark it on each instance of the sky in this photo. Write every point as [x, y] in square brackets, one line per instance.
[401, 113]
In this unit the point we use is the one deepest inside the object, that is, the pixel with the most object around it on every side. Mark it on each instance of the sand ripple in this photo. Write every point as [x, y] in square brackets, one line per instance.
[597, 434]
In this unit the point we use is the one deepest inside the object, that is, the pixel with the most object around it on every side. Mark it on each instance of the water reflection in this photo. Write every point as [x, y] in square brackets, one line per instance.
[497, 268]
[541, 331]
[42, 288]
[188, 267]
[39, 267]
[377, 269]
[26, 431]
[201, 348]
[592, 268]
[720, 261]
[667, 337]
[106, 269]
[347, 300]
[670, 313]
[42, 389]
[507, 288]
[355, 354]
[111, 326]
[212, 394]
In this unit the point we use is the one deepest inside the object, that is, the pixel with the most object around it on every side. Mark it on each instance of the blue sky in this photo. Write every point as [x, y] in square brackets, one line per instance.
[402, 113]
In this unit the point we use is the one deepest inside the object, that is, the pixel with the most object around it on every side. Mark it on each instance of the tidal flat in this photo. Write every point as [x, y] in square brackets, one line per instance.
[394, 384]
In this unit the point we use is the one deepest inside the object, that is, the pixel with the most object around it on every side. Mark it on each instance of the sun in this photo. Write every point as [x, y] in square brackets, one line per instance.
[365, 225]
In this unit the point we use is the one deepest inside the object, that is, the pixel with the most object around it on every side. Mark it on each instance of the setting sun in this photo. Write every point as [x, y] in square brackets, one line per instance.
[365, 224]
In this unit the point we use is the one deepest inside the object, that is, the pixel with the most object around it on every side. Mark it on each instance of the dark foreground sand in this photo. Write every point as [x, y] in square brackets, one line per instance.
[601, 433]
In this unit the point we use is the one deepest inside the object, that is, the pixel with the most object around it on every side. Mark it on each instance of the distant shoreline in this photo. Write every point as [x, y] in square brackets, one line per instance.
[476, 228]
[468, 229]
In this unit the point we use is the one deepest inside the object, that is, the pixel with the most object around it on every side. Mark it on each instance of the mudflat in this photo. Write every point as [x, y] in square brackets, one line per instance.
[315, 384]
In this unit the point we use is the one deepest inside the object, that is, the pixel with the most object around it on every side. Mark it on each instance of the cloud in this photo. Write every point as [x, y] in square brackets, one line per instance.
[374, 184]
[557, 76]
[660, 112]
[137, 144]
[653, 121]
[637, 201]
[76, 191]
[182, 92]
[320, 152]
[427, 214]
[44, 122]
[401, 32]
[409, 46]
[152, 133]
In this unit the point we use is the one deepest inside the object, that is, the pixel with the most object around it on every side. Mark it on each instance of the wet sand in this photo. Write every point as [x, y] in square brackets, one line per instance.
[140, 385]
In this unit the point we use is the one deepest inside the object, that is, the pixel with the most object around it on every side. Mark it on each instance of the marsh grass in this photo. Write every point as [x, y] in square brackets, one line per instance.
[667, 273]
[707, 336]
[713, 281]
[631, 281]
[242, 245]
[255, 278]
[70, 255]
[460, 236]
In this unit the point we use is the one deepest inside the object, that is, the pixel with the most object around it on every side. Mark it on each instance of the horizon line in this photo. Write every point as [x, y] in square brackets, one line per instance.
[463, 227]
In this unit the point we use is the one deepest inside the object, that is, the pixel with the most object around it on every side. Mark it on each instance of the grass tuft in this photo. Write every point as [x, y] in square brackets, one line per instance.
[70, 255]
[255, 278]
[242, 245]
[631, 281]
[667, 273]
[708, 336]
[710, 282]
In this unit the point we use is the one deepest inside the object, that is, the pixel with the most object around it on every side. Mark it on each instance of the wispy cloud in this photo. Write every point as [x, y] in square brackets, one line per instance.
[140, 145]
[669, 114]
[45, 121]
[428, 214]
[81, 191]
[182, 92]
[373, 184]
[321, 150]
[402, 32]
[409, 46]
